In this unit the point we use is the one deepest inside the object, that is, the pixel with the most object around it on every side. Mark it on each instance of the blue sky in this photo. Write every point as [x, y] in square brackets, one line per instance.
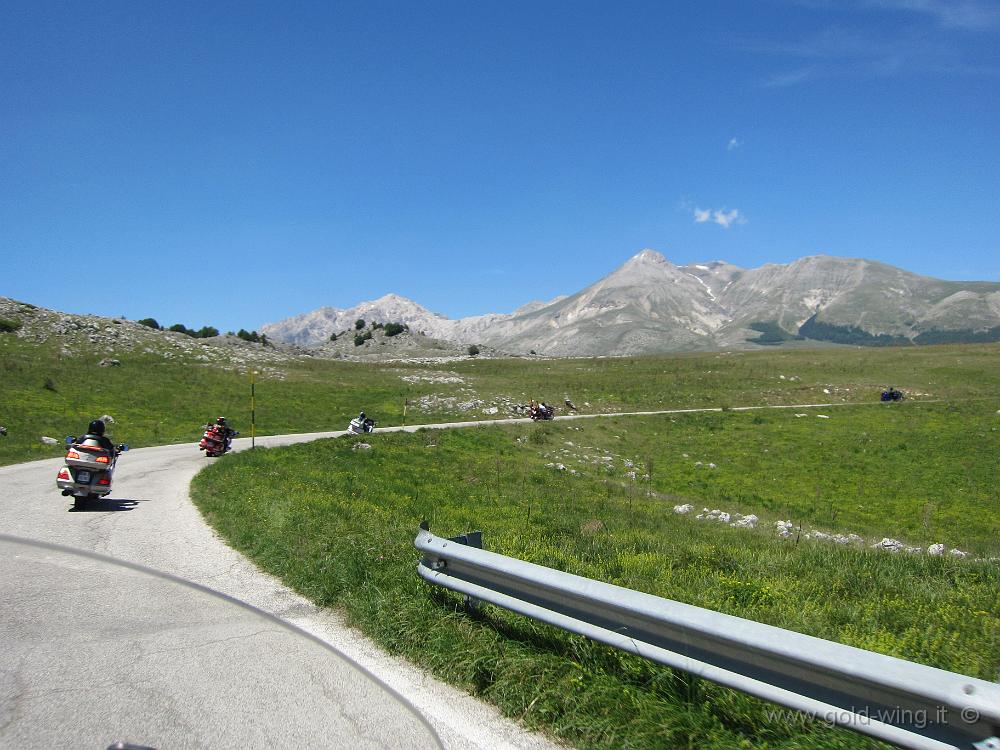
[474, 156]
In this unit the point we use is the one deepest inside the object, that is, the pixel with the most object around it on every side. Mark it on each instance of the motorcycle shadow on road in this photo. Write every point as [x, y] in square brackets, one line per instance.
[105, 505]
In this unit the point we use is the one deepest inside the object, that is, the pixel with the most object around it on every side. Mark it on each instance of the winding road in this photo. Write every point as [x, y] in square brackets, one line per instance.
[254, 684]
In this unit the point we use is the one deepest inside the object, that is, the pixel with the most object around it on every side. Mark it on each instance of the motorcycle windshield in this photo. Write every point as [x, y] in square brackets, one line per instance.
[94, 652]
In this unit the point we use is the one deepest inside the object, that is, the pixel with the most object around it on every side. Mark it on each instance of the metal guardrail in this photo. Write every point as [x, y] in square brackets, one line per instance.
[907, 704]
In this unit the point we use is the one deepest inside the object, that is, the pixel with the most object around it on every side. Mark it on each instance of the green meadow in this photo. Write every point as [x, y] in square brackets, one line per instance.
[595, 497]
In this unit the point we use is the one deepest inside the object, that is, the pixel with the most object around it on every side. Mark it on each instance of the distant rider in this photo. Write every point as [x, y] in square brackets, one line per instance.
[224, 430]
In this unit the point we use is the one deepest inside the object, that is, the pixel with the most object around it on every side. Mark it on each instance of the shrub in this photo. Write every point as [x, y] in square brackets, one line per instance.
[359, 324]
[394, 329]
[205, 332]
[360, 338]
[333, 336]
[248, 335]
[9, 326]
[376, 326]
[473, 350]
[180, 328]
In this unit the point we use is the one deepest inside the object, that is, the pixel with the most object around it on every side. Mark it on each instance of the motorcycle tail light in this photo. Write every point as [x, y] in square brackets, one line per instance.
[63, 474]
[103, 460]
[72, 454]
[105, 481]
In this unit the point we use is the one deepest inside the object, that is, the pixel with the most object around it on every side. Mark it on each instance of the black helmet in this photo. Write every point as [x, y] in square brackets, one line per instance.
[96, 428]
[220, 420]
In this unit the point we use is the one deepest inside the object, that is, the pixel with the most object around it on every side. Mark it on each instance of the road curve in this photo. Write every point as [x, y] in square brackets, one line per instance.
[149, 520]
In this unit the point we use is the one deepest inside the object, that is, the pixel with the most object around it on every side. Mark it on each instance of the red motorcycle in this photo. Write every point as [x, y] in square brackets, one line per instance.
[217, 440]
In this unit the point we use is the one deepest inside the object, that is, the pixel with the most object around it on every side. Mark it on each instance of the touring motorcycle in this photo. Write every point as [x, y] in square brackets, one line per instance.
[361, 424]
[541, 411]
[217, 440]
[891, 394]
[89, 469]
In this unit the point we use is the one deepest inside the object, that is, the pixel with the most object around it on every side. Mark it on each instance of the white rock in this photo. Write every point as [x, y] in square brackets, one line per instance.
[890, 545]
[822, 416]
[49, 440]
[745, 522]
[107, 419]
[935, 550]
[686, 508]
[826, 390]
[711, 466]
[958, 553]
[362, 447]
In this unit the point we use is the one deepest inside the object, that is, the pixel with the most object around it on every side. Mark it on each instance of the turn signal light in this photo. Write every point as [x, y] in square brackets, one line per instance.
[72, 454]
[102, 459]
[63, 474]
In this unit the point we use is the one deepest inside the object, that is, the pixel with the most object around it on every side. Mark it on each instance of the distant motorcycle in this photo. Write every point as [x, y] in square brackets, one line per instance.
[89, 469]
[217, 440]
[891, 394]
[361, 424]
[541, 412]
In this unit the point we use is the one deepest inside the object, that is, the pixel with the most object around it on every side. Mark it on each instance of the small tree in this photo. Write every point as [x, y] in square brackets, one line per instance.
[473, 350]
[205, 332]
[333, 336]
[149, 323]
[9, 326]
[394, 329]
[180, 328]
[360, 338]
[359, 324]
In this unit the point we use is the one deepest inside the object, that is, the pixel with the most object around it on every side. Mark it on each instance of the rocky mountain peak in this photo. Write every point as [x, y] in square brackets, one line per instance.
[647, 256]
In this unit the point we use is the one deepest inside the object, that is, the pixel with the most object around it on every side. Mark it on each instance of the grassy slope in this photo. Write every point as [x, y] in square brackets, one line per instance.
[337, 524]
[156, 400]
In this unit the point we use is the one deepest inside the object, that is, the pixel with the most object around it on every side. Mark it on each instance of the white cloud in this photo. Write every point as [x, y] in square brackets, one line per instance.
[734, 143]
[721, 216]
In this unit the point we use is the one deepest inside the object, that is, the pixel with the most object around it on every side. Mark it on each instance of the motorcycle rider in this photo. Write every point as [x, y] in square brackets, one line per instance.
[95, 431]
[224, 430]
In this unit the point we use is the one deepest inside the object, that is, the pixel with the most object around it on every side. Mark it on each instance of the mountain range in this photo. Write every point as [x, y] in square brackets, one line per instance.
[652, 305]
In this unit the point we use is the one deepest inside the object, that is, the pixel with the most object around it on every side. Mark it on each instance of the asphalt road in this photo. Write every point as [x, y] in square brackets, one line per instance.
[91, 654]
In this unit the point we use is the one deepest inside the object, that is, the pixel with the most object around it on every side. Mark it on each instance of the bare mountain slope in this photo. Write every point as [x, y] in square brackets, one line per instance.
[651, 305]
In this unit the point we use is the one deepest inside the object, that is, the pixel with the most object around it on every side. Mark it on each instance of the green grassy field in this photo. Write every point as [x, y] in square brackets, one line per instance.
[156, 400]
[337, 524]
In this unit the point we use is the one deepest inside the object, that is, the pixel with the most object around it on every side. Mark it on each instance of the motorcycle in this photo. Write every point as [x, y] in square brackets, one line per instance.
[359, 426]
[217, 440]
[541, 411]
[89, 469]
[891, 394]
